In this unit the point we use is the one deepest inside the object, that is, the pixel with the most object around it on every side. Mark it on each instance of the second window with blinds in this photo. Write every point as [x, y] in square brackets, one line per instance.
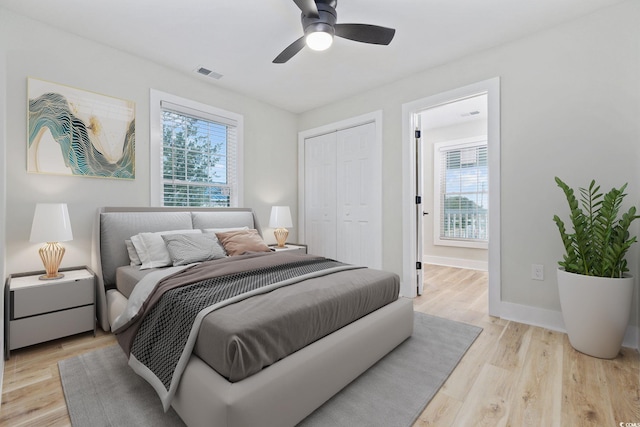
[198, 148]
[461, 192]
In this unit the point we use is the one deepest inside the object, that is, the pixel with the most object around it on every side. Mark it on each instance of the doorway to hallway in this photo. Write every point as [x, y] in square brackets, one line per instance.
[454, 156]
[458, 219]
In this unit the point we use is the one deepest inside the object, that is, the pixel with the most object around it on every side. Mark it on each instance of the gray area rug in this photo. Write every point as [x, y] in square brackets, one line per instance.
[101, 390]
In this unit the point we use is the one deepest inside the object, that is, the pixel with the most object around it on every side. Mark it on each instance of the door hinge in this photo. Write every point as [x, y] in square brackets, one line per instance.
[418, 200]
[418, 133]
[418, 265]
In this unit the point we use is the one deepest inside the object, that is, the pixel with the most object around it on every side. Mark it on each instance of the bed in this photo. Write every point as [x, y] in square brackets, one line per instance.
[284, 392]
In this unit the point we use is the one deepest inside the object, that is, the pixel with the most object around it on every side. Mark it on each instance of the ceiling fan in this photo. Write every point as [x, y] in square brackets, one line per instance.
[319, 25]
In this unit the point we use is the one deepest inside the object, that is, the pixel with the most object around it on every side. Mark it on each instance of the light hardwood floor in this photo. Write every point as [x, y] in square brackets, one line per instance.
[520, 375]
[32, 391]
[513, 375]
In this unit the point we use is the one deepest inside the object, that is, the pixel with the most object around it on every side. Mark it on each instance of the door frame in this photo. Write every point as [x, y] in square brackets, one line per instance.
[409, 229]
[373, 117]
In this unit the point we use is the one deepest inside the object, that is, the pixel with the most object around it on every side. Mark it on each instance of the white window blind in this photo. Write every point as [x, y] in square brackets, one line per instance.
[462, 193]
[199, 157]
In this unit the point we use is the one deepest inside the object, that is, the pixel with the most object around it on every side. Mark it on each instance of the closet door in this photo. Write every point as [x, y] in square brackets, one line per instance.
[343, 195]
[320, 195]
[359, 197]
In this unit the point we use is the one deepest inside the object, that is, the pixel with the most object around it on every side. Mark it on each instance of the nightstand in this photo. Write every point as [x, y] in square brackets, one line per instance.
[42, 310]
[290, 247]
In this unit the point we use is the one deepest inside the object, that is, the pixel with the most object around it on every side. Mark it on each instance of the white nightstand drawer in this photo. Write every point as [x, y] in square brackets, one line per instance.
[53, 297]
[37, 329]
[42, 310]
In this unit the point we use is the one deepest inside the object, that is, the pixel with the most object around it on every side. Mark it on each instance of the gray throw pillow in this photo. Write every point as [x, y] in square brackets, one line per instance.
[189, 248]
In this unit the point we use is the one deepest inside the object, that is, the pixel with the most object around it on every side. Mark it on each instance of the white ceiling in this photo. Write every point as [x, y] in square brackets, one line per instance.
[239, 39]
[457, 112]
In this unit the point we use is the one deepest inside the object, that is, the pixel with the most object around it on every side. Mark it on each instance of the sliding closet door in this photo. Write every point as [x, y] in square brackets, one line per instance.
[320, 195]
[358, 196]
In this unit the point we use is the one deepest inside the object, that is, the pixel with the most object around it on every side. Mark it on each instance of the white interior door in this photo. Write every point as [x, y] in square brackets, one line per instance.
[358, 197]
[320, 195]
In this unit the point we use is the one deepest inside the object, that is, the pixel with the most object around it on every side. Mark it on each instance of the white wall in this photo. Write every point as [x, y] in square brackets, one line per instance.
[570, 106]
[3, 192]
[439, 254]
[32, 49]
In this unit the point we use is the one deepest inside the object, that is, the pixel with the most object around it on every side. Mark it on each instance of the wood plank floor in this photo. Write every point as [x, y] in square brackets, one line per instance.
[513, 375]
[520, 375]
[32, 391]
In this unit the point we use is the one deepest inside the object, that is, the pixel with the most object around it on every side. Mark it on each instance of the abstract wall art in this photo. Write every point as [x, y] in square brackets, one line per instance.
[79, 133]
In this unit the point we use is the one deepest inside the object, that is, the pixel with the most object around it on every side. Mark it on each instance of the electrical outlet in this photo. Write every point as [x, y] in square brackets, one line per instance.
[537, 271]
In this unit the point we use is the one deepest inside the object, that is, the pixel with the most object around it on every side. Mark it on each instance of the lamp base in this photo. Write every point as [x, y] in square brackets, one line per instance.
[281, 236]
[51, 254]
[45, 277]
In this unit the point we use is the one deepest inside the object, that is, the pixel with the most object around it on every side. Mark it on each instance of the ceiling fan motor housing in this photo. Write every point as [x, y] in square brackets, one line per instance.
[326, 20]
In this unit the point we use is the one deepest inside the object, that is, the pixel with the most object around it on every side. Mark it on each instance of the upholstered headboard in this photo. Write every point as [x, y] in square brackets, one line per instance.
[114, 225]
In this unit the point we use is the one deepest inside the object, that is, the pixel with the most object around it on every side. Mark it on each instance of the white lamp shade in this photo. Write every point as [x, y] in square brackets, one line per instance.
[280, 217]
[51, 223]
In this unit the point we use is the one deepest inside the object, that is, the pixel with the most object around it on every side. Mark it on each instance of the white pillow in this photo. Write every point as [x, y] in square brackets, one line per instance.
[133, 255]
[223, 230]
[152, 250]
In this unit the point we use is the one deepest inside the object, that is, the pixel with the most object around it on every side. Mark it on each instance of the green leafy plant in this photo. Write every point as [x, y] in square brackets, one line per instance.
[600, 238]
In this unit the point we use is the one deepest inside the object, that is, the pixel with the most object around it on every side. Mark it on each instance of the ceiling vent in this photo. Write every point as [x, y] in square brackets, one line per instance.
[208, 73]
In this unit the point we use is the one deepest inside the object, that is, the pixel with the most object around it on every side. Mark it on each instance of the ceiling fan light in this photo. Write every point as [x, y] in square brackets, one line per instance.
[319, 40]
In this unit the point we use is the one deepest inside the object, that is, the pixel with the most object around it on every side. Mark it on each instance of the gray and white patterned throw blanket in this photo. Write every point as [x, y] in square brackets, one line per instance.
[167, 331]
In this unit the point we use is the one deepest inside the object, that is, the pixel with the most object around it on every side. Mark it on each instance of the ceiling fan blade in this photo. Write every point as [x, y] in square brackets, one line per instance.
[308, 8]
[290, 51]
[365, 33]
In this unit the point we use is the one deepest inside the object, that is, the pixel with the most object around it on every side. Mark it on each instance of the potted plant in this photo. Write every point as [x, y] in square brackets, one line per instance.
[595, 289]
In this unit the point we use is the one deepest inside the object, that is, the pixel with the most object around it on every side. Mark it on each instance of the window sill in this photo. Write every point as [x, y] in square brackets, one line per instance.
[461, 244]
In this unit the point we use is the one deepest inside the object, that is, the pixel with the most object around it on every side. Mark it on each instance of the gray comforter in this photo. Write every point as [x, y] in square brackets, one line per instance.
[244, 335]
[257, 332]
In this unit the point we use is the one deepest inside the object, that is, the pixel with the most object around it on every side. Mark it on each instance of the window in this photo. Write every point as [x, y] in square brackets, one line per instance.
[198, 150]
[461, 193]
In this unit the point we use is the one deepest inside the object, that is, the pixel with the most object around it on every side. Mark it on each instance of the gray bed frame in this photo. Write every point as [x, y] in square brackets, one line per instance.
[282, 394]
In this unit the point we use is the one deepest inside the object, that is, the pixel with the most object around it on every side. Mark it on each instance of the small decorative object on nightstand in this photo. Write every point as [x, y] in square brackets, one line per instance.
[280, 220]
[290, 247]
[37, 311]
[51, 225]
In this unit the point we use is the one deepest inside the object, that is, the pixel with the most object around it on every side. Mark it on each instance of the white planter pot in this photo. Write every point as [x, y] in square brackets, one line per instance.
[595, 311]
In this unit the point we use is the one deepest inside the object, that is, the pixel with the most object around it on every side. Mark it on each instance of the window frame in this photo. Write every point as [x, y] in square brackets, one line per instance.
[438, 148]
[156, 142]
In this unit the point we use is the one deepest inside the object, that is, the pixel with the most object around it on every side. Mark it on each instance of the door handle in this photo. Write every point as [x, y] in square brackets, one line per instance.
[425, 213]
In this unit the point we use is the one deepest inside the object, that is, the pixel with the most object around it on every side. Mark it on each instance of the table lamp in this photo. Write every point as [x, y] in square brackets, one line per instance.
[51, 225]
[280, 220]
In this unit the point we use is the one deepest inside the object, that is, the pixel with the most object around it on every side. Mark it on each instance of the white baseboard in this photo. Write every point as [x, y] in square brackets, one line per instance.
[552, 320]
[456, 262]
[632, 337]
